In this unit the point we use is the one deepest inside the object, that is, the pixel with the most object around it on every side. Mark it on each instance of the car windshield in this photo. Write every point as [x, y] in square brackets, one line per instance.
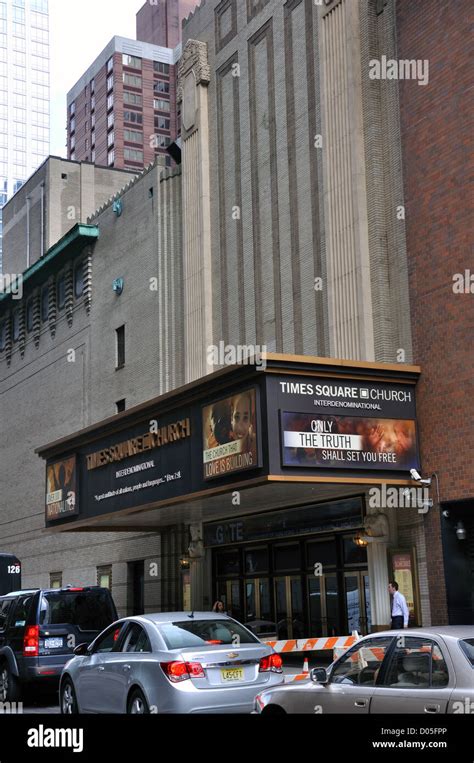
[201, 633]
[88, 610]
[467, 645]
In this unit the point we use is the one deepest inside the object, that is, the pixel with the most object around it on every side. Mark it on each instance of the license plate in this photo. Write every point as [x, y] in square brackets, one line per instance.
[53, 643]
[232, 674]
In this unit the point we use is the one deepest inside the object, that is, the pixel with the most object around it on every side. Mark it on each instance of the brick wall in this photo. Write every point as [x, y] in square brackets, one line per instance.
[436, 124]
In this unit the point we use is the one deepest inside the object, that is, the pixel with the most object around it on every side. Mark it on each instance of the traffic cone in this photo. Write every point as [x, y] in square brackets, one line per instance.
[305, 666]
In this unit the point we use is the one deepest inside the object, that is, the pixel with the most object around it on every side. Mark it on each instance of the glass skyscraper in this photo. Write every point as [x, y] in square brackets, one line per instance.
[24, 93]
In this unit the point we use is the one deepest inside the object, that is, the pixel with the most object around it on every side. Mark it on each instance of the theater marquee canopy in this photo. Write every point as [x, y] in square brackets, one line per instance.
[242, 440]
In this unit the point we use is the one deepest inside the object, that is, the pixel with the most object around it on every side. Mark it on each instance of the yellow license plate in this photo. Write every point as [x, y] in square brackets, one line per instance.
[232, 674]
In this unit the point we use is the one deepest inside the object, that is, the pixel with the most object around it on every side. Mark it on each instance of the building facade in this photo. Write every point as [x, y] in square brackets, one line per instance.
[282, 232]
[24, 93]
[441, 267]
[122, 112]
[160, 22]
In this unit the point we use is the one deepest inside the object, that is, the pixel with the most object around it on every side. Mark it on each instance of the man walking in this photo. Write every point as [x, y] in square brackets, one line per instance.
[400, 612]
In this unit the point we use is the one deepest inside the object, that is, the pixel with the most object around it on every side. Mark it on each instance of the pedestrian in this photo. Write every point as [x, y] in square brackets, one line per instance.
[219, 607]
[400, 612]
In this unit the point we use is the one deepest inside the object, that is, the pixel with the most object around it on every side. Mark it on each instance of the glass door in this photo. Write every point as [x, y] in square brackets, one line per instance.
[323, 605]
[289, 613]
[357, 601]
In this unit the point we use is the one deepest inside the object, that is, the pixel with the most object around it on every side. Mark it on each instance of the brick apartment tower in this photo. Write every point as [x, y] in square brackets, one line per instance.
[160, 22]
[122, 112]
[436, 128]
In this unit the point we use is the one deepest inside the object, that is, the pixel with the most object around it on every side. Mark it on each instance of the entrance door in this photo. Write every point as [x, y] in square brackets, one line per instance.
[357, 600]
[228, 591]
[289, 607]
[257, 600]
[323, 605]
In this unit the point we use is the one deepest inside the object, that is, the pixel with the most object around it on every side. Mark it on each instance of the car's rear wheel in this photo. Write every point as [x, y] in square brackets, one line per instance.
[137, 704]
[68, 698]
[273, 710]
[9, 684]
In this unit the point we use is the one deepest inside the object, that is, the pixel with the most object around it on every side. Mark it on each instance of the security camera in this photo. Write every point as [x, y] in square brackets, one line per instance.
[415, 475]
[446, 513]
[460, 531]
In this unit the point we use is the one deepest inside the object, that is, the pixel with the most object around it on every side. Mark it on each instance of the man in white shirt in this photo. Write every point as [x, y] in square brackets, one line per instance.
[400, 612]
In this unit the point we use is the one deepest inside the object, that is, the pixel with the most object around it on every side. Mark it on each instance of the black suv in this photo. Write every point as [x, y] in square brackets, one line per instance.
[39, 630]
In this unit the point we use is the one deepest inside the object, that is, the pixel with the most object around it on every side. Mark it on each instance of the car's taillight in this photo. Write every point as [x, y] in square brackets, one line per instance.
[195, 669]
[31, 641]
[272, 662]
[180, 671]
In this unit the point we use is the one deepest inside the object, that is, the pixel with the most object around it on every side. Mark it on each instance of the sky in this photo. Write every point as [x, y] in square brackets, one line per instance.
[79, 30]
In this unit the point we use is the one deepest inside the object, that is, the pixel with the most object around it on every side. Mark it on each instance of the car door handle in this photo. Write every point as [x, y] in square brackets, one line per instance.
[127, 667]
[431, 708]
[101, 667]
[360, 703]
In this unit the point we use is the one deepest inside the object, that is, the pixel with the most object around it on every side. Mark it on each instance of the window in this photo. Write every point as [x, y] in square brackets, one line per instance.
[160, 104]
[61, 291]
[88, 610]
[56, 580]
[133, 116]
[22, 611]
[133, 154]
[161, 87]
[133, 99]
[416, 663]
[86, 144]
[16, 326]
[467, 646]
[110, 121]
[79, 280]
[198, 633]
[92, 121]
[136, 640]
[45, 303]
[5, 609]
[72, 109]
[110, 102]
[132, 61]
[362, 663]
[161, 68]
[132, 80]
[72, 125]
[161, 141]
[30, 307]
[120, 347]
[110, 65]
[133, 136]
[120, 406]
[93, 156]
[108, 642]
[93, 103]
[92, 86]
[110, 82]
[111, 138]
[104, 576]
[162, 123]
[111, 157]
[3, 335]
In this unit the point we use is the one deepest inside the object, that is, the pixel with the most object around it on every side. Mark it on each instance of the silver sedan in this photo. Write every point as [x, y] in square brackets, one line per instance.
[178, 662]
[429, 670]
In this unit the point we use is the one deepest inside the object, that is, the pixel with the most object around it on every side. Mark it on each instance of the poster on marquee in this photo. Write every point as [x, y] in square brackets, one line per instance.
[230, 435]
[319, 440]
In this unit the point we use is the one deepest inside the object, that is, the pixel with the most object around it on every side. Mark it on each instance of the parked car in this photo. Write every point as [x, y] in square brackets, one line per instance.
[39, 630]
[178, 662]
[429, 670]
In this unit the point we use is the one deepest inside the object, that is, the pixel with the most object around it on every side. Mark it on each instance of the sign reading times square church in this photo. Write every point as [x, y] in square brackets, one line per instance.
[351, 424]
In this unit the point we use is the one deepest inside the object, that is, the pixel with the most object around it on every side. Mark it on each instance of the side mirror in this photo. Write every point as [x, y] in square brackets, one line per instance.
[81, 649]
[319, 676]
